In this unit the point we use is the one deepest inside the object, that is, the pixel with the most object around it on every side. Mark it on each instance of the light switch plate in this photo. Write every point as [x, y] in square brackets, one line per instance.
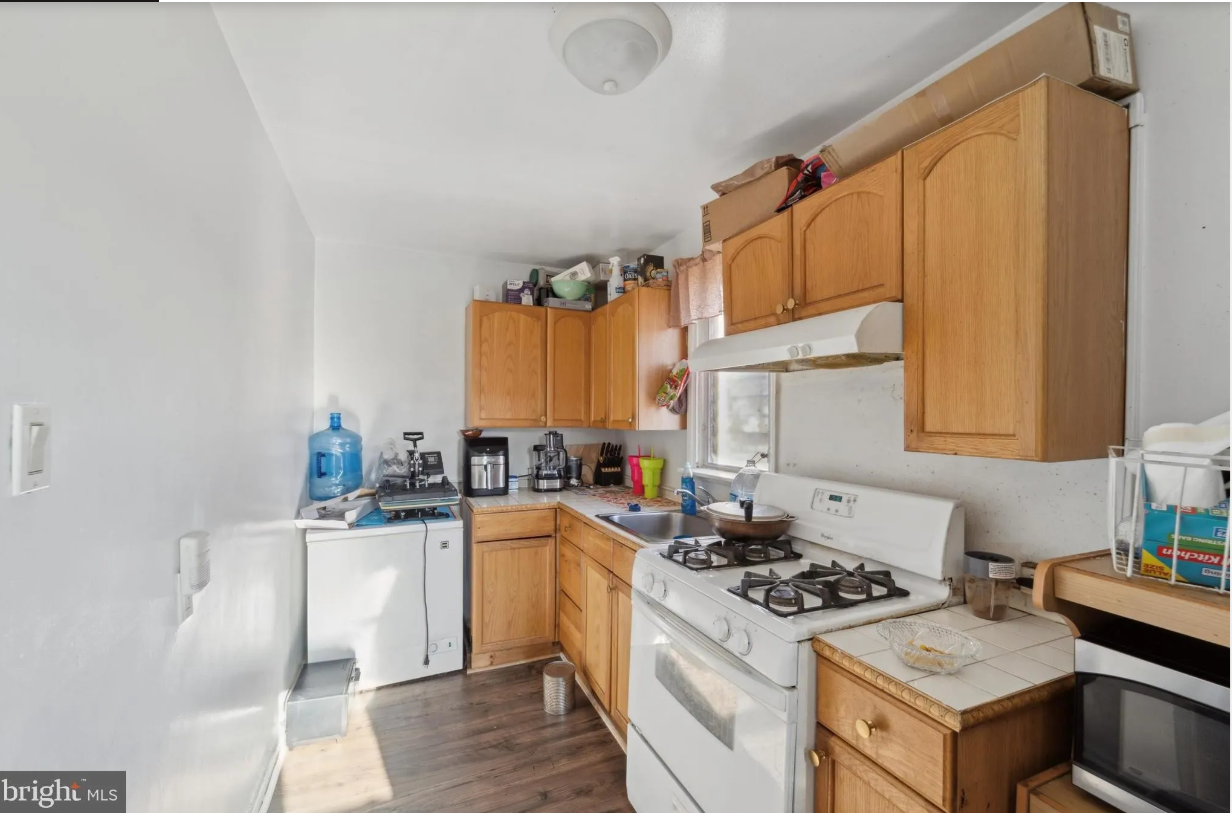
[30, 448]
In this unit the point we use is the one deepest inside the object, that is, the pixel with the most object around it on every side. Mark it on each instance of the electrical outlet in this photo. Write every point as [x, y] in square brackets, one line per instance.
[443, 645]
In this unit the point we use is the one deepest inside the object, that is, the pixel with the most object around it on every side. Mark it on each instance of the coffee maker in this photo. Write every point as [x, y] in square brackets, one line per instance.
[485, 467]
[550, 459]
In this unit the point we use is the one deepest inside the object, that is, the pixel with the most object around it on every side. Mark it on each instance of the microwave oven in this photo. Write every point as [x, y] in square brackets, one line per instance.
[1151, 721]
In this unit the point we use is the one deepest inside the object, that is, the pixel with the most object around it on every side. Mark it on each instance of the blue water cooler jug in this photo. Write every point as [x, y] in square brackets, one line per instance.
[335, 461]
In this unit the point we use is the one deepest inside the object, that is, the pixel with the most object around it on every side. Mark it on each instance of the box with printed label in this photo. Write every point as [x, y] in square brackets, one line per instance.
[1084, 44]
[1199, 549]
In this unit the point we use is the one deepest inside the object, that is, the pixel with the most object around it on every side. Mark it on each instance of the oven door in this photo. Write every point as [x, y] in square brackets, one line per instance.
[1148, 739]
[723, 730]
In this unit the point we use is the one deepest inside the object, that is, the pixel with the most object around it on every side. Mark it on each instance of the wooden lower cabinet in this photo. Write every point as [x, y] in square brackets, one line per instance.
[883, 747]
[622, 624]
[513, 598]
[848, 782]
[597, 657]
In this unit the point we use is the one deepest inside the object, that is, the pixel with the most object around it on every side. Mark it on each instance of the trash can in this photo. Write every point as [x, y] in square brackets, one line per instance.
[558, 687]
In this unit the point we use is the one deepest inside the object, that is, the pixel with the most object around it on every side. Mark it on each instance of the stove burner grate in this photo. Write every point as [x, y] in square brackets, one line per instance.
[834, 586]
[714, 553]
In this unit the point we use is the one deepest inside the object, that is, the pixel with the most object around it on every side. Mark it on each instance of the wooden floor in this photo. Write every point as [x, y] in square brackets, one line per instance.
[473, 743]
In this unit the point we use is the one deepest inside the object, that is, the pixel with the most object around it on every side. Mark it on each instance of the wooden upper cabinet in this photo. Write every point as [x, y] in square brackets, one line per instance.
[622, 379]
[1015, 239]
[622, 626]
[847, 243]
[506, 360]
[568, 367]
[597, 590]
[600, 368]
[757, 284]
[643, 348]
[513, 593]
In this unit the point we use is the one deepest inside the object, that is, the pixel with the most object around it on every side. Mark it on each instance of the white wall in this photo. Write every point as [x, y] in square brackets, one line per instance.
[391, 346]
[1183, 64]
[848, 425]
[156, 292]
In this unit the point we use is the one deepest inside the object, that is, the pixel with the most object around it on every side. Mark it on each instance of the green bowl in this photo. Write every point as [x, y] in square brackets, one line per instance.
[570, 288]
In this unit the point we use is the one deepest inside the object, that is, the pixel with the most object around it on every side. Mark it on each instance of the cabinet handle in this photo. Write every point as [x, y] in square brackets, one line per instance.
[865, 729]
[791, 304]
[778, 308]
[628, 420]
[816, 757]
[543, 419]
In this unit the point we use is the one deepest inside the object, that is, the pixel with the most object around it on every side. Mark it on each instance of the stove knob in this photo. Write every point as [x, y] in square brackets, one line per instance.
[742, 643]
[648, 583]
[722, 628]
[660, 590]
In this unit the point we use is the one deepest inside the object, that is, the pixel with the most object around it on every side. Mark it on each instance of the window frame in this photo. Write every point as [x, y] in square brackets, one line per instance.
[701, 392]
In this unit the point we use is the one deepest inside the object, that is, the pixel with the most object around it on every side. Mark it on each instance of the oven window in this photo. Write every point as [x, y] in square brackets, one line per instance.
[710, 699]
[1154, 744]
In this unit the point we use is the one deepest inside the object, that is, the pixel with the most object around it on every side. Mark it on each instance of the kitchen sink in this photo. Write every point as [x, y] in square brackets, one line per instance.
[659, 527]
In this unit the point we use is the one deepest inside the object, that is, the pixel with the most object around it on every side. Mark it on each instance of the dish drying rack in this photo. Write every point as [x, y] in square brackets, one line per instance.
[1128, 499]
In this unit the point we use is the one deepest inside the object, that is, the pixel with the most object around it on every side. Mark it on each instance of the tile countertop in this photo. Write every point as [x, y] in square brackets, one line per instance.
[586, 503]
[1019, 652]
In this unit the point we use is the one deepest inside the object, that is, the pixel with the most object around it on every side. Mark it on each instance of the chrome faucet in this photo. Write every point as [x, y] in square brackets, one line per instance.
[709, 496]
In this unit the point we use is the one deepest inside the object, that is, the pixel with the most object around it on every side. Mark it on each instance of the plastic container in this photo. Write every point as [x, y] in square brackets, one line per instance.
[688, 505]
[335, 461]
[652, 474]
[635, 473]
[745, 482]
[988, 583]
[928, 646]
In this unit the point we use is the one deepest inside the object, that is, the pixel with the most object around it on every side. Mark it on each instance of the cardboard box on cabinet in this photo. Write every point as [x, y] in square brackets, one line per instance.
[1084, 44]
[745, 207]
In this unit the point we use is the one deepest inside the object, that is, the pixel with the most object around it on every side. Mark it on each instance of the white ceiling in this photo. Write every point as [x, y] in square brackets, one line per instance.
[452, 127]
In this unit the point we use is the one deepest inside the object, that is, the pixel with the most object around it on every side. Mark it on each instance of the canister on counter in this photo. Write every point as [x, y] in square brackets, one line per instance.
[988, 583]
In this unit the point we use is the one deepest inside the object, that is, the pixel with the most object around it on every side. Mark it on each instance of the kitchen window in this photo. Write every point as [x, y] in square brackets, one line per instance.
[732, 413]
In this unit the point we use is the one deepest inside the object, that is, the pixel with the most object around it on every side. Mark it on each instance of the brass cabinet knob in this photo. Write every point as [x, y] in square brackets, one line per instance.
[778, 308]
[865, 729]
[791, 304]
[543, 419]
[816, 757]
[628, 420]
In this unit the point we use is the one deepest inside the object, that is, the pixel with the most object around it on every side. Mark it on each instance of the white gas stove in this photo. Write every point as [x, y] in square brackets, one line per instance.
[722, 673]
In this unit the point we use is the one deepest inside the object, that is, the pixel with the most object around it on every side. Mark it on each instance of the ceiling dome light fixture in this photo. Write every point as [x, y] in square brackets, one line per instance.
[611, 47]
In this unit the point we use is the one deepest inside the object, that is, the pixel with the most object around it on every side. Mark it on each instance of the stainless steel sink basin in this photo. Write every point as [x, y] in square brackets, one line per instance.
[659, 527]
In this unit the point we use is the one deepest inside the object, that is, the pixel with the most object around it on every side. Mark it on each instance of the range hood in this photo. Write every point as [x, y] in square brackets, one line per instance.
[859, 337]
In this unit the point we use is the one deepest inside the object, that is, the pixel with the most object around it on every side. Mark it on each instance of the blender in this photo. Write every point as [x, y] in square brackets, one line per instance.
[550, 459]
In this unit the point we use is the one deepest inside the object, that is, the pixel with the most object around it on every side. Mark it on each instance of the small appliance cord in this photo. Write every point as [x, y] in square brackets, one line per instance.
[427, 634]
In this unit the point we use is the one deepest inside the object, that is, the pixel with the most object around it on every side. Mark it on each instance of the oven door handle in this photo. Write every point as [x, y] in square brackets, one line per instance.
[766, 692]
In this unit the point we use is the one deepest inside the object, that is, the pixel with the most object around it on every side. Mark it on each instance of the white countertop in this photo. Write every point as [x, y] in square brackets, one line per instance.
[1020, 651]
[584, 502]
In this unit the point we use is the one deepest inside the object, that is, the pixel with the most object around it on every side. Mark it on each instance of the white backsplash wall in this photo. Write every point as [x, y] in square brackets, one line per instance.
[390, 348]
[847, 425]
[156, 294]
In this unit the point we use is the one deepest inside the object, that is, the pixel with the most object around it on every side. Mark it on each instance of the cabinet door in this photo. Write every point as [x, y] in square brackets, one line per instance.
[598, 620]
[757, 276]
[600, 367]
[858, 785]
[974, 246]
[622, 623]
[513, 593]
[507, 360]
[847, 243]
[568, 367]
[622, 333]
[823, 775]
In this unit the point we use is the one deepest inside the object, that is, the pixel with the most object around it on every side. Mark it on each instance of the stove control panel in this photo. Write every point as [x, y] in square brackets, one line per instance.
[834, 502]
[655, 587]
[721, 628]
